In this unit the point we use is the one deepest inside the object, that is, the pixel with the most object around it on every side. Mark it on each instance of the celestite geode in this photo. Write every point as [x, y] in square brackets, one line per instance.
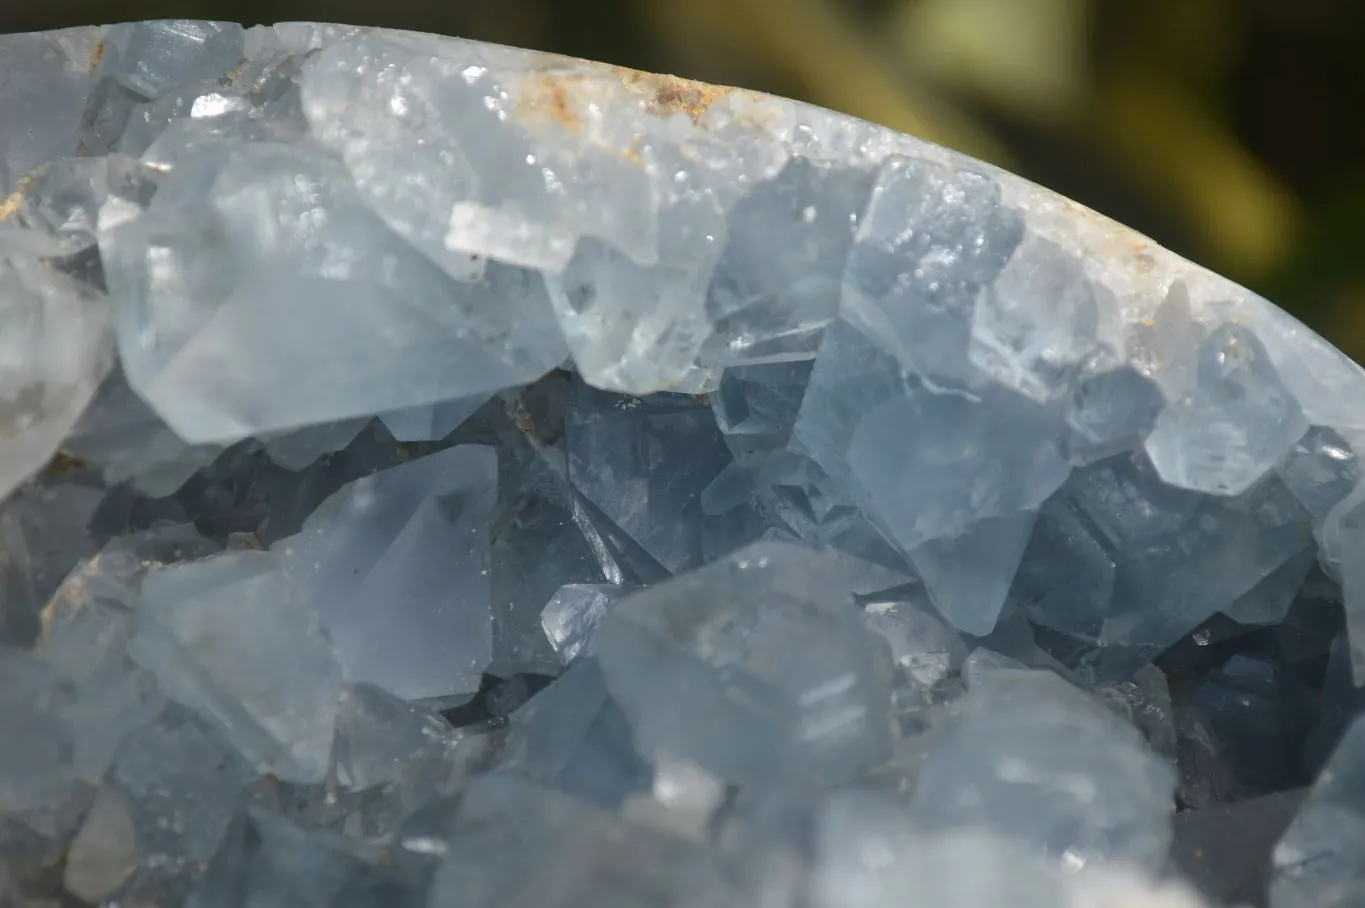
[441, 474]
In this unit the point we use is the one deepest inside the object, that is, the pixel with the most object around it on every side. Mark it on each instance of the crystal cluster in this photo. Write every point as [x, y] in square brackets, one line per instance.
[436, 474]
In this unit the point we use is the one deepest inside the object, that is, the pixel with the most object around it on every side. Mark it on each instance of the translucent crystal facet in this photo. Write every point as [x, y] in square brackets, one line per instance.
[1030, 758]
[234, 639]
[53, 354]
[923, 461]
[644, 464]
[572, 617]
[1319, 859]
[396, 564]
[1237, 422]
[317, 254]
[513, 844]
[1145, 562]
[46, 79]
[756, 667]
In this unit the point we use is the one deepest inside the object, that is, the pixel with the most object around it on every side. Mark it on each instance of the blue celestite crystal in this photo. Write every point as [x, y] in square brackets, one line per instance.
[572, 616]
[396, 565]
[997, 765]
[756, 667]
[644, 464]
[1319, 860]
[234, 639]
[435, 473]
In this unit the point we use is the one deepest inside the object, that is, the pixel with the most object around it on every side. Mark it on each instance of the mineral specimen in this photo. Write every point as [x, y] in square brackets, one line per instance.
[436, 474]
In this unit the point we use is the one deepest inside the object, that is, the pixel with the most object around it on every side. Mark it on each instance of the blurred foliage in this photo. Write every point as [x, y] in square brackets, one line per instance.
[1228, 130]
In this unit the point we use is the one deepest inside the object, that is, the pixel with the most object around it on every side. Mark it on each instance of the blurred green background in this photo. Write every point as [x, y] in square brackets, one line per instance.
[1232, 131]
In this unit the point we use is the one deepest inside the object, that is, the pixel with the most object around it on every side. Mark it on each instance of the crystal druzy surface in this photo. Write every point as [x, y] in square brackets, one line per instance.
[440, 474]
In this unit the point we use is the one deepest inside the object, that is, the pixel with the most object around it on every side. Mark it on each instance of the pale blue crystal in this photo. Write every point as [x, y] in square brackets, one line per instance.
[232, 638]
[983, 665]
[632, 327]
[777, 282]
[396, 565]
[573, 614]
[431, 422]
[544, 538]
[1145, 702]
[798, 496]
[968, 576]
[866, 570]
[54, 352]
[152, 72]
[924, 482]
[153, 57]
[423, 127]
[123, 436]
[56, 209]
[46, 79]
[921, 461]
[183, 324]
[756, 406]
[1165, 347]
[869, 854]
[644, 463]
[1343, 539]
[1035, 325]
[37, 764]
[574, 737]
[1120, 559]
[87, 629]
[1269, 601]
[516, 845]
[1321, 469]
[1320, 861]
[384, 742]
[926, 652]
[932, 239]
[698, 381]
[1110, 411]
[1236, 423]
[1031, 758]
[266, 860]
[181, 784]
[544, 535]
[755, 667]
[299, 448]
[1015, 639]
